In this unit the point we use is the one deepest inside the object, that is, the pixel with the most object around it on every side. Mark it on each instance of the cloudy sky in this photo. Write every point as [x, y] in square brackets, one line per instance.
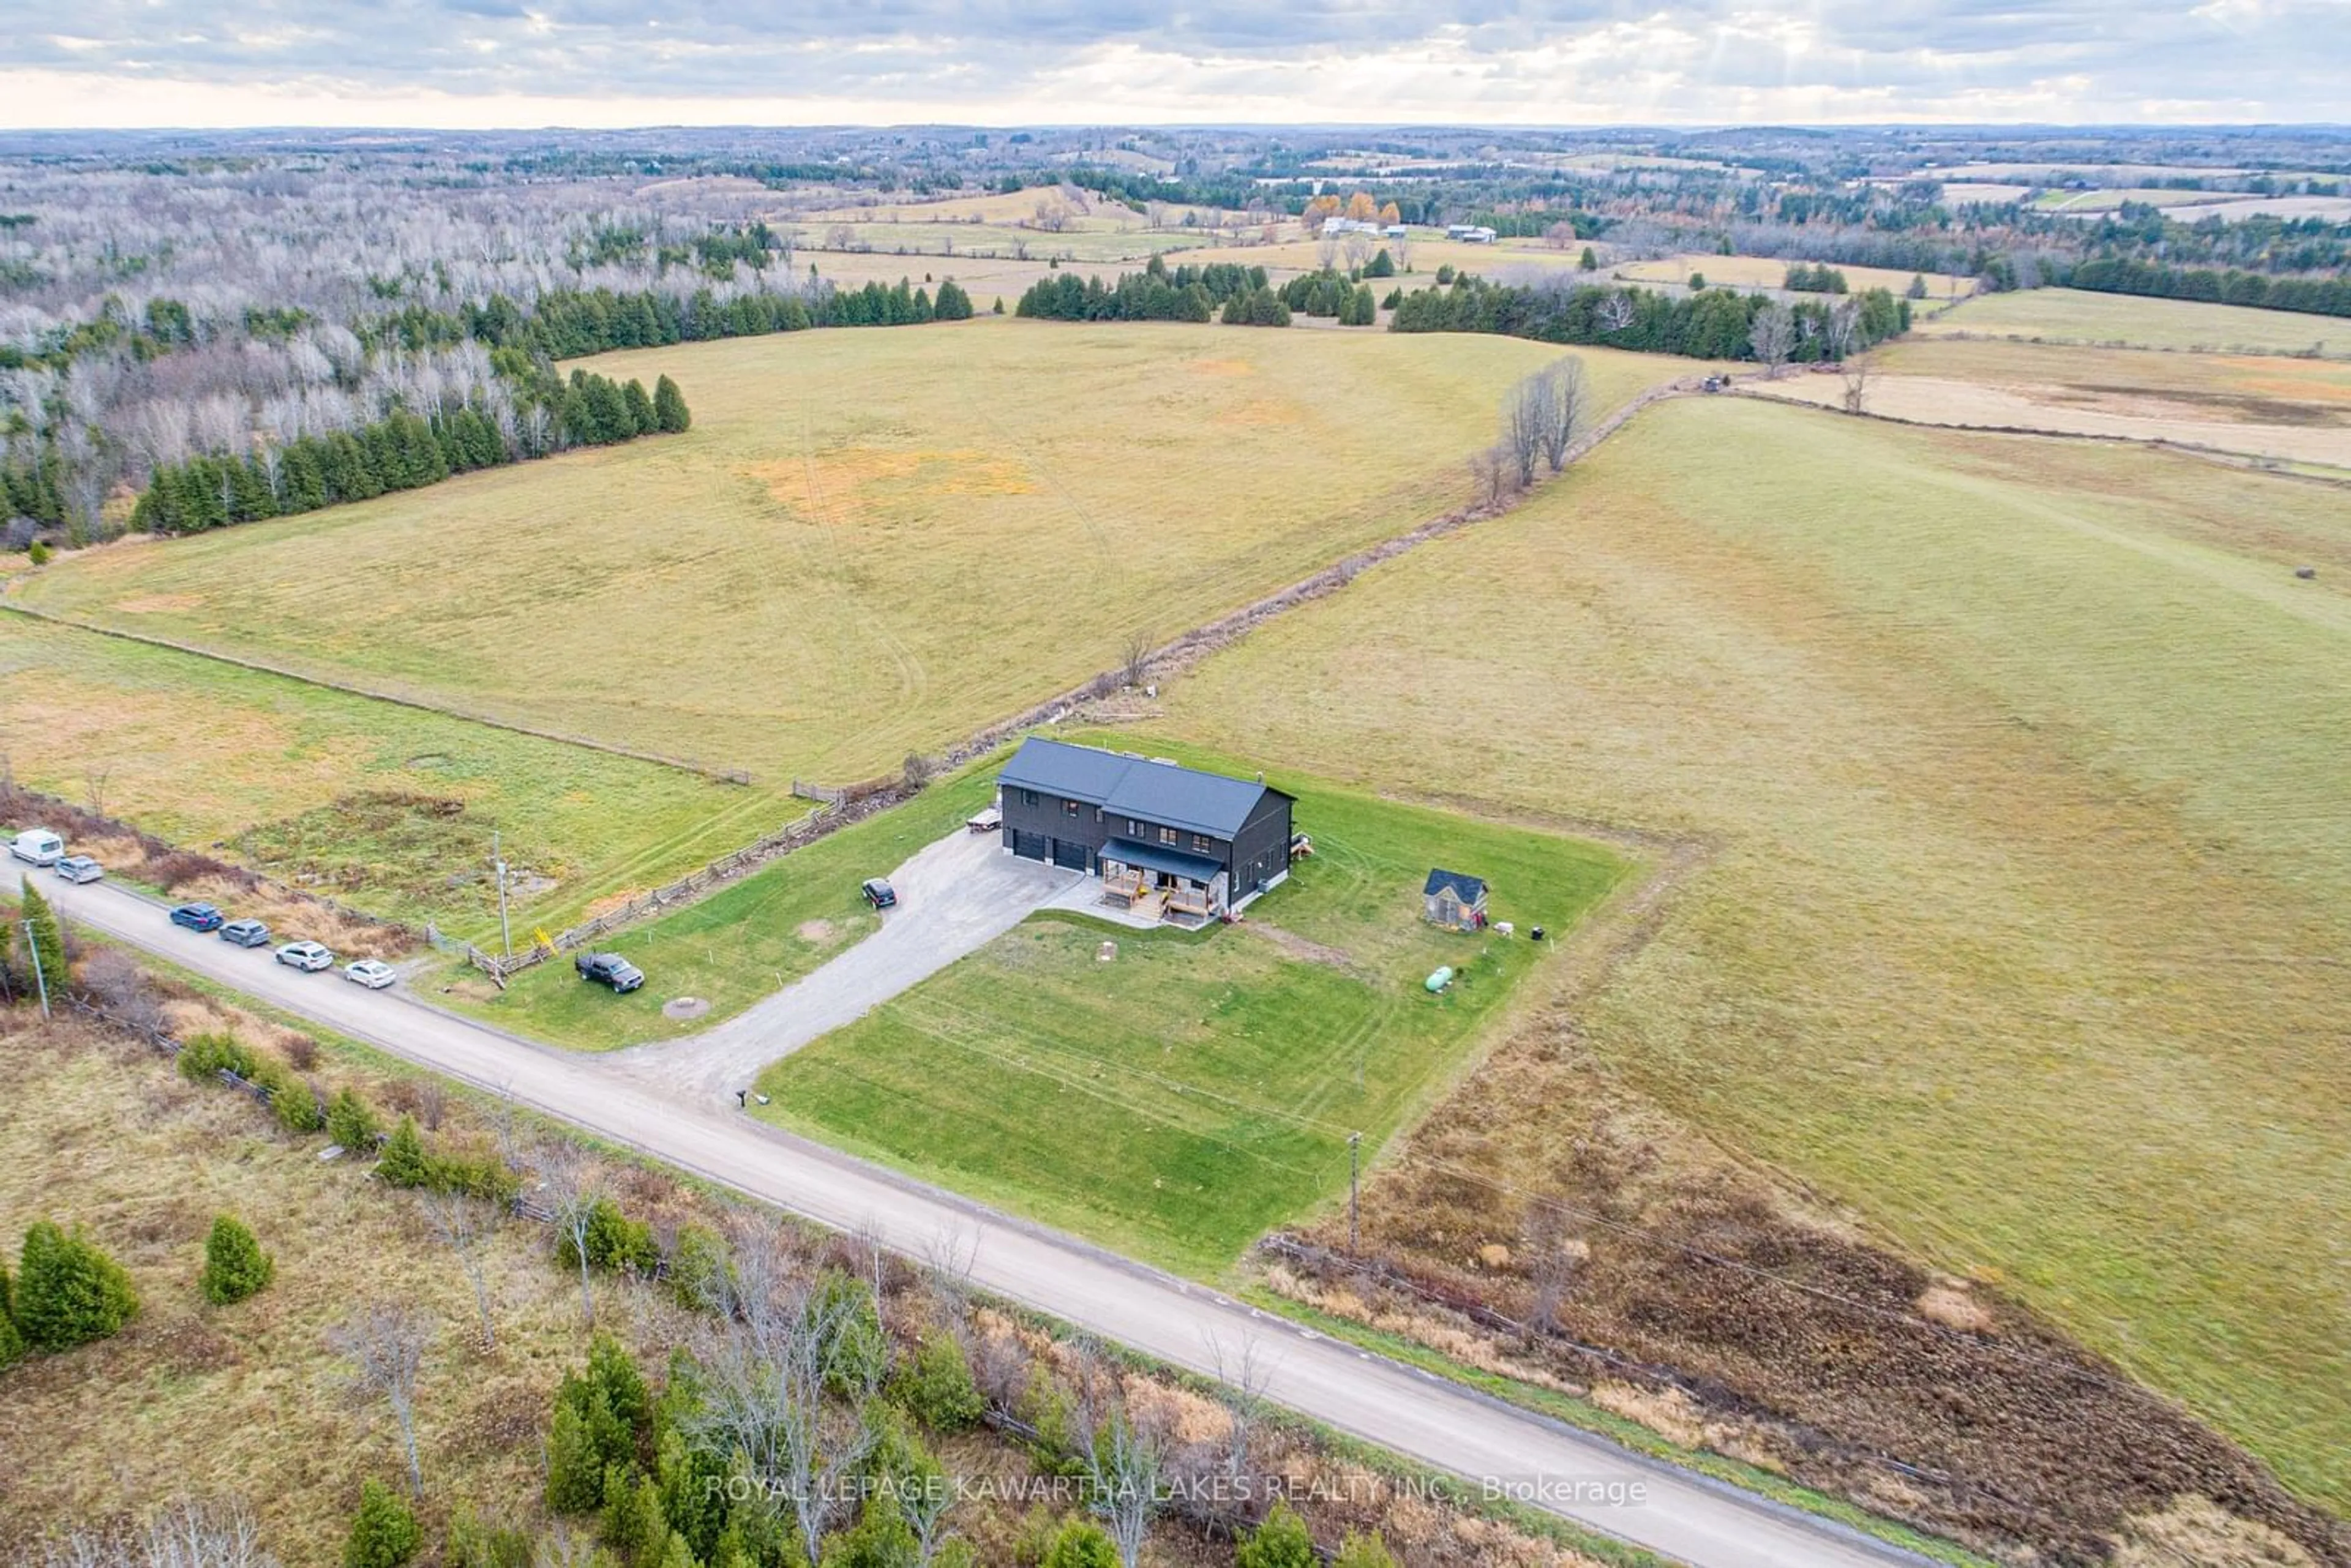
[1553, 62]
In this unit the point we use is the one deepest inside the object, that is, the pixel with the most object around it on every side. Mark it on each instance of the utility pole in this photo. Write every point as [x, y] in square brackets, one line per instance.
[506, 935]
[1354, 1143]
[40, 980]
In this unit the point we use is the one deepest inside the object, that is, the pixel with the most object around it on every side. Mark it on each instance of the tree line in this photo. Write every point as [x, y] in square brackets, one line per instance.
[2229, 285]
[1710, 324]
[572, 323]
[403, 451]
[1157, 293]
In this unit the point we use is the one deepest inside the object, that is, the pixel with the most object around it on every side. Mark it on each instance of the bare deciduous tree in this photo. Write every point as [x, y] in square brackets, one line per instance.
[184, 1535]
[1124, 1460]
[570, 1191]
[1243, 1373]
[1616, 312]
[385, 1345]
[1856, 373]
[762, 1379]
[464, 1223]
[1843, 328]
[1773, 336]
[1135, 660]
[1496, 473]
[1553, 1255]
[1567, 397]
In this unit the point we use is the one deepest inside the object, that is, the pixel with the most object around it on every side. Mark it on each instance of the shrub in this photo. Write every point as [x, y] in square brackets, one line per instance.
[404, 1162]
[1281, 1542]
[68, 1291]
[291, 1099]
[476, 1543]
[39, 553]
[598, 1414]
[349, 1121]
[857, 1355]
[483, 1175]
[12, 1343]
[1365, 1551]
[235, 1265]
[633, 1525]
[206, 1057]
[1081, 1545]
[697, 1268]
[614, 1241]
[383, 1533]
[935, 1385]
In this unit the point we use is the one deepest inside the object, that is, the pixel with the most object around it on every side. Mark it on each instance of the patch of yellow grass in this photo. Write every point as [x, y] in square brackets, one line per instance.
[2027, 874]
[2078, 316]
[159, 603]
[1073, 487]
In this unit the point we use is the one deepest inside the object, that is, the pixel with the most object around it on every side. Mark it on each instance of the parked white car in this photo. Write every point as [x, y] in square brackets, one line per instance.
[38, 846]
[80, 867]
[308, 956]
[373, 973]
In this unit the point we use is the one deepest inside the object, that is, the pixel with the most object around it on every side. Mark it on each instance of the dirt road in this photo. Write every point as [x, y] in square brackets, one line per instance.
[1410, 1412]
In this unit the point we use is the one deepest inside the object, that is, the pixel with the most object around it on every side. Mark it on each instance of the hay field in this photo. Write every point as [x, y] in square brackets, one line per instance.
[380, 806]
[870, 542]
[2292, 410]
[2017, 766]
[2126, 320]
[1097, 246]
[1767, 272]
[987, 277]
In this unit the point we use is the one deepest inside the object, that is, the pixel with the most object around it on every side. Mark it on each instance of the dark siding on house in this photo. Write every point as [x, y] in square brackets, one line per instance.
[1033, 830]
[1261, 851]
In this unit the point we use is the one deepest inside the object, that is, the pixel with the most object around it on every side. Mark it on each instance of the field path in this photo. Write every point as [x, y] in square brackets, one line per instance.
[1569, 1473]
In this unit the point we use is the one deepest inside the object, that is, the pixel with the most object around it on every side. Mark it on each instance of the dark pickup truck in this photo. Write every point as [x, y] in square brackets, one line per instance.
[609, 969]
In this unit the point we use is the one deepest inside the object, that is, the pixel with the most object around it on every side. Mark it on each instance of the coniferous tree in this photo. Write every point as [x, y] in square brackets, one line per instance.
[1281, 1542]
[41, 934]
[384, 1532]
[641, 419]
[405, 1161]
[235, 1265]
[67, 1292]
[670, 414]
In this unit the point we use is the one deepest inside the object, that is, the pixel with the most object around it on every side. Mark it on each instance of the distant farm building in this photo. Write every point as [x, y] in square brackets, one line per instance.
[1334, 226]
[1470, 234]
[1168, 841]
[1454, 899]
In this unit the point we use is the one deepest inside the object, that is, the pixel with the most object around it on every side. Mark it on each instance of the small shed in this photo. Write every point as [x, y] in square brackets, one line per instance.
[1454, 900]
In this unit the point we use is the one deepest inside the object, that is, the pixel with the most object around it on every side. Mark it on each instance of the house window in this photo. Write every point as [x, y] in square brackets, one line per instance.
[1068, 808]
[1204, 843]
[1168, 836]
[1134, 829]
[1028, 797]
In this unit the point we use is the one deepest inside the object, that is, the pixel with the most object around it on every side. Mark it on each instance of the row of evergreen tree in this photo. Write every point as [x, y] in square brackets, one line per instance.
[1328, 293]
[569, 323]
[1713, 324]
[1157, 293]
[400, 452]
[1820, 280]
[2316, 296]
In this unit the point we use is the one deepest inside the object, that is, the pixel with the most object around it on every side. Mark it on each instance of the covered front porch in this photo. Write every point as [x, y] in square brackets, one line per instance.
[1152, 882]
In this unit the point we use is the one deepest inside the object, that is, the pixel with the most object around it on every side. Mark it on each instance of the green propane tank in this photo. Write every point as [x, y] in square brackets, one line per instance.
[1439, 980]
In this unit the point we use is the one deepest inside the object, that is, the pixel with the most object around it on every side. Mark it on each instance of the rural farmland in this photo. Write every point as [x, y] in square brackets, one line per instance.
[2128, 321]
[870, 542]
[2012, 770]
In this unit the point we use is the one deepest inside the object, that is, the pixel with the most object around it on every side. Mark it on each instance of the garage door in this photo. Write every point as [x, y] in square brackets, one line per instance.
[1029, 846]
[1074, 856]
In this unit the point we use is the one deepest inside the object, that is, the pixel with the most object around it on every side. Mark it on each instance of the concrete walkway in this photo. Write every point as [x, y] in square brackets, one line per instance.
[953, 898]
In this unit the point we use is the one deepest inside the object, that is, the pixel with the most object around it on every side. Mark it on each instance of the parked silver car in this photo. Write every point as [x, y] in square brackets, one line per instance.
[80, 867]
[308, 956]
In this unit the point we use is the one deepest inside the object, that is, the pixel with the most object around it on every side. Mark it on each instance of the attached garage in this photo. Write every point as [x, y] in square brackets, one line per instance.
[1028, 846]
[1075, 856]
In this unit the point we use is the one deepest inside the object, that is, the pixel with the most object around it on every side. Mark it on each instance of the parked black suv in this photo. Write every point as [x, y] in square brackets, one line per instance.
[609, 969]
[879, 893]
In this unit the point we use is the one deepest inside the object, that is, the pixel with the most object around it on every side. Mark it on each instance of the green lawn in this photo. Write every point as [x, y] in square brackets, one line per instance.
[744, 942]
[1175, 1102]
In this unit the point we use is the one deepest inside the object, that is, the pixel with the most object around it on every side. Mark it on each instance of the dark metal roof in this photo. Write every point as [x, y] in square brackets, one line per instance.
[1160, 793]
[1469, 889]
[1156, 857]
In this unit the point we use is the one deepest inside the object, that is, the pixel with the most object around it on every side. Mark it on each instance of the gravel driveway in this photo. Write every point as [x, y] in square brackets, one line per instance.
[953, 897]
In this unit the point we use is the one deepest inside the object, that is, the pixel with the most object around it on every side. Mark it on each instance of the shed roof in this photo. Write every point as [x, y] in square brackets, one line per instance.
[1468, 889]
[1162, 793]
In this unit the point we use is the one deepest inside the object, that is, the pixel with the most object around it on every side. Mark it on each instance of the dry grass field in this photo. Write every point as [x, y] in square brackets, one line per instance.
[870, 542]
[2012, 772]
[1767, 272]
[987, 277]
[380, 806]
[2127, 321]
[2292, 410]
